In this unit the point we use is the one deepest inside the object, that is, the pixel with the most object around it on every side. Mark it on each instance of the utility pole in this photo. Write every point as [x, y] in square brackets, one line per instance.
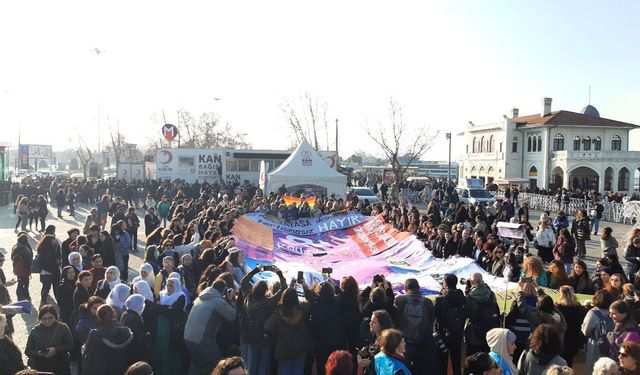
[448, 135]
[337, 155]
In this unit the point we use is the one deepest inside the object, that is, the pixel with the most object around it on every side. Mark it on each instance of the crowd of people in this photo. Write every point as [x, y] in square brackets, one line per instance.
[195, 307]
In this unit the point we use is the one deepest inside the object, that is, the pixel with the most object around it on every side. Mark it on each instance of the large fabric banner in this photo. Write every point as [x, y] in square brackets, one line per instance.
[312, 225]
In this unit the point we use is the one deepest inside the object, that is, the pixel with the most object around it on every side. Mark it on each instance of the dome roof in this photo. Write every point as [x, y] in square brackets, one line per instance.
[590, 110]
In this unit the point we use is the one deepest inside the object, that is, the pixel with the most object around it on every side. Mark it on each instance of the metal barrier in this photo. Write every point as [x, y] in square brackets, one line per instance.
[615, 212]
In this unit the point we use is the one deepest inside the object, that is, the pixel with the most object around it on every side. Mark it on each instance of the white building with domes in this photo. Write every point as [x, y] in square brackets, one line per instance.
[552, 149]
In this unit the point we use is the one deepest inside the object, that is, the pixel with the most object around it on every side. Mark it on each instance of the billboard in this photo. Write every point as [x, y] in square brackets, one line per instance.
[190, 165]
[33, 153]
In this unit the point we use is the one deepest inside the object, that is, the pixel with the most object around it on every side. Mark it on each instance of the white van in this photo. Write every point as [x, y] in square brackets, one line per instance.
[472, 191]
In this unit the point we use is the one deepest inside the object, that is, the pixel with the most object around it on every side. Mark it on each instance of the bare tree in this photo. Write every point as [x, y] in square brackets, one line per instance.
[117, 146]
[203, 131]
[306, 119]
[400, 144]
[84, 155]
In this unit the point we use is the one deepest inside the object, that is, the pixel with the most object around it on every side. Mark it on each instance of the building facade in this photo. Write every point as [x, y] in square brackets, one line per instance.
[552, 149]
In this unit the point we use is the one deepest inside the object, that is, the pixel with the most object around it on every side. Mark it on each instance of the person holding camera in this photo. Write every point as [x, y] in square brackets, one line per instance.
[49, 343]
[258, 305]
[214, 306]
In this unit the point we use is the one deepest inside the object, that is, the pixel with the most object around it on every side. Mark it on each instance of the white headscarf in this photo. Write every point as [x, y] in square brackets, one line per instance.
[151, 277]
[498, 339]
[142, 288]
[75, 255]
[167, 299]
[135, 302]
[112, 284]
[118, 296]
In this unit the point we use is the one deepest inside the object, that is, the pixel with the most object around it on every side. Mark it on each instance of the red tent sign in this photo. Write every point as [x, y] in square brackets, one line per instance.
[170, 132]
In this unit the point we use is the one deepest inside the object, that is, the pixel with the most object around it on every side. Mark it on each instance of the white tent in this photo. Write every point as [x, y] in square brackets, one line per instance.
[305, 170]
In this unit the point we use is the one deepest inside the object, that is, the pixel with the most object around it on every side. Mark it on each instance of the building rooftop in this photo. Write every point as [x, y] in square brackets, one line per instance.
[570, 118]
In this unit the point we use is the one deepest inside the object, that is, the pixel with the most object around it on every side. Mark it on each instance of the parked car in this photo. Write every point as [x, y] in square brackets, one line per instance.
[365, 193]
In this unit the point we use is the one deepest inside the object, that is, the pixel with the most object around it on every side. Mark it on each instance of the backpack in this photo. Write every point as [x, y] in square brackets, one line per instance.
[452, 323]
[600, 335]
[414, 317]
[488, 316]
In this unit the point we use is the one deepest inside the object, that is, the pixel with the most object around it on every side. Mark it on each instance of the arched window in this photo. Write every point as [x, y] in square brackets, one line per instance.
[467, 149]
[482, 148]
[529, 144]
[576, 143]
[539, 143]
[616, 143]
[473, 145]
[558, 142]
[535, 144]
[514, 144]
[492, 144]
[597, 144]
[586, 143]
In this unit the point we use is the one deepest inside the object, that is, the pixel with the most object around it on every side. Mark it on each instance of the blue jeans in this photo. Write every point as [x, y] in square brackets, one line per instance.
[595, 225]
[259, 360]
[291, 366]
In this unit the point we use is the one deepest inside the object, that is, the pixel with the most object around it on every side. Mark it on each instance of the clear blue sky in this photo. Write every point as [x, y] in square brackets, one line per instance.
[446, 62]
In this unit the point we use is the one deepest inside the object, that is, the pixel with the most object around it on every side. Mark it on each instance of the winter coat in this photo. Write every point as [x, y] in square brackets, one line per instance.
[22, 257]
[106, 351]
[41, 337]
[140, 345]
[565, 249]
[327, 325]
[589, 327]
[631, 255]
[582, 230]
[10, 357]
[582, 284]
[537, 363]
[574, 316]
[292, 334]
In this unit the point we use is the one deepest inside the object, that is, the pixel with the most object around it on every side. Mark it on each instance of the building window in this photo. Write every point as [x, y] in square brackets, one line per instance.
[467, 149]
[576, 143]
[474, 145]
[597, 144]
[558, 142]
[535, 144]
[528, 144]
[501, 146]
[616, 143]
[586, 143]
[514, 144]
[482, 144]
[539, 143]
[492, 144]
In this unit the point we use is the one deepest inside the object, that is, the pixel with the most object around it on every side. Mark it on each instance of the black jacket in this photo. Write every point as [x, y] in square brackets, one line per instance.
[139, 349]
[631, 254]
[106, 351]
[49, 257]
[326, 323]
[465, 248]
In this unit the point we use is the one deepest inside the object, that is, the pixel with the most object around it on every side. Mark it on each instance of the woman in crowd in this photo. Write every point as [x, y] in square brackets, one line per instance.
[339, 362]
[625, 329]
[49, 343]
[606, 366]
[22, 212]
[326, 323]
[107, 249]
[517, 319]
[608, 243]
[629, 358]
[497, 266]
[168, 340]
[391, 359]
[10, 356]
[147, 274]
[580, 280]
[117, 298]
[564, 249]
[545, 240]
[602, 278]
[106, 350]
[481, 364]
[597, 317]
[574, 313]
[616, 267]
[106, 285]
[290, 328]
[615, 285]
[83, 290]
[64, 297]
[149, 314]
[151, 254]
[236, 258]
[557, 275]
[48, 251]
[351, 312]
[544, 352]
[75, 260]
[502, 344]
[532, 268]
[258, 307]
[132, 319]
[151, 220]
[380, 321]
[22, 257]
[87, 320]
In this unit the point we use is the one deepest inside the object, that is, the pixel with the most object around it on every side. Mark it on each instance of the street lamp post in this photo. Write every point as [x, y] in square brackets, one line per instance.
[448, 135]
